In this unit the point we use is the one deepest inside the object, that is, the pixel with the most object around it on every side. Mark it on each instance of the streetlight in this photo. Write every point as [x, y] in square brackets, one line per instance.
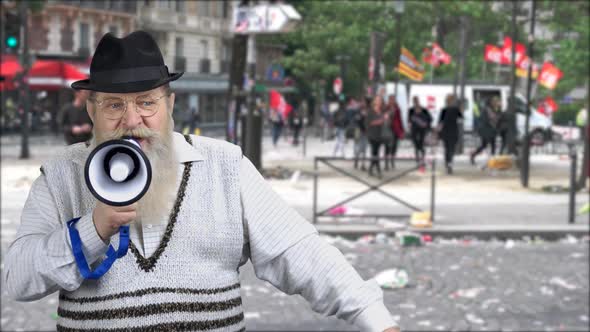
[398, 7]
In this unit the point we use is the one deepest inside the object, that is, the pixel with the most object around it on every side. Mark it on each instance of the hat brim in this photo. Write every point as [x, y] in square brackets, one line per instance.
[125, 87]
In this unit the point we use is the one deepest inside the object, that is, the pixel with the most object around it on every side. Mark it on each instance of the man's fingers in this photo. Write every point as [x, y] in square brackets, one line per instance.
[126, 208]
[124, 218]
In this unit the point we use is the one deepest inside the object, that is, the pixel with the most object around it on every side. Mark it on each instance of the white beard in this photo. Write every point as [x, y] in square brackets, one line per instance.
[155, 206]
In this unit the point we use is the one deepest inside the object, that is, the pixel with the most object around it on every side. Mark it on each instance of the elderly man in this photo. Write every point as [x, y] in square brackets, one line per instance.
[207, 212]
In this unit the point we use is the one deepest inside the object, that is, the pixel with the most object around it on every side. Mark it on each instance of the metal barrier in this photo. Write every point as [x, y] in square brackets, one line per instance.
[328, 162]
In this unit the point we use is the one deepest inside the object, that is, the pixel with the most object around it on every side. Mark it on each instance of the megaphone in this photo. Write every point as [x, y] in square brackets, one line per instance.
[118, 172]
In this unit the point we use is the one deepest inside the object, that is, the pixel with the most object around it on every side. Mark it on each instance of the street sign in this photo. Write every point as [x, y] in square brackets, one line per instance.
[337, 85]
[265, 18]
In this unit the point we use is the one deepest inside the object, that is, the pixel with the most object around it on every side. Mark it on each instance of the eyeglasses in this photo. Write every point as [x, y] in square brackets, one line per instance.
[115, 107]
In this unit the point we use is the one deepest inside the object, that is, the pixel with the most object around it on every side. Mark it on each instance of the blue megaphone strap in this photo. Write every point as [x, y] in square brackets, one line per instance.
[106, 264]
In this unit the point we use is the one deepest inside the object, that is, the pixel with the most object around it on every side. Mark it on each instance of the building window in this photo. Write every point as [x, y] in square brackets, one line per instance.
[180, 6]
[164, 4]
[84, 36]
[204, 49]
[203, 8]
[179, 46]
[225, 9]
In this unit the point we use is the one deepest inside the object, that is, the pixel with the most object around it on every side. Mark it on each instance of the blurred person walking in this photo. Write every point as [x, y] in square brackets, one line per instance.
[74, 119]
[340, 123]
[360, 133]
[375, 120]
[396, 129]
[276, 120]
[296, 122]
[488, 127]
[448, 127]
[420, 123]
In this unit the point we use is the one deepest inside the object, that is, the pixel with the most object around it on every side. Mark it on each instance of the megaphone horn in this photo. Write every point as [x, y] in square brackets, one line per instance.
[117, 172]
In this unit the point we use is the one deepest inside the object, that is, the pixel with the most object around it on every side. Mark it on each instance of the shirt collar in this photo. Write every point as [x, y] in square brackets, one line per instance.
[184, 151]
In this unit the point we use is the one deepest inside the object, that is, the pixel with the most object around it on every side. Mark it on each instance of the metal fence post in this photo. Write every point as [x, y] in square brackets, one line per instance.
[432, 189]
[572, 203]
[315, 189]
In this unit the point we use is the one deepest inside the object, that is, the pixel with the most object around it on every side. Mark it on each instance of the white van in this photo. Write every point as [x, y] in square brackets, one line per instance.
[432, 97]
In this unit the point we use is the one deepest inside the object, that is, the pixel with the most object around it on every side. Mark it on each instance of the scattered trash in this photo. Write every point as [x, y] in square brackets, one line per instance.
[585, 209]
[500, 162]
[295, 177]
[488, 302]
[381, 238]
[407, 306]
[454, 267]
[54, 316]
[426, 238]
[392, 278]
[469, 293]
[474, 319]
[350, 257]
[421, 219]
[547, 291]
[492, 269]
[408, 239]
[390, 224]
[366, 239]
[509, 244]
[562, 283]
[577, 255]
[583, 318]
[337, 211]
[569, 239]
[554, 189]
[424, 323]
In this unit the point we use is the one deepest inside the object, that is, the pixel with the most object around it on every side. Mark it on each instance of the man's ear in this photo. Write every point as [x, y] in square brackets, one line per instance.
[171, 102]
[90, 109]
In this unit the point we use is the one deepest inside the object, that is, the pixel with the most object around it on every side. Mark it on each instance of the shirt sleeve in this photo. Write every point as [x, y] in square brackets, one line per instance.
[286, 251]
[40, 260]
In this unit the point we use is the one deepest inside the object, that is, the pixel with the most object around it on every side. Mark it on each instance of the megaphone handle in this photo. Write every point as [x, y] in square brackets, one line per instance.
[123, 241]
[111, 253]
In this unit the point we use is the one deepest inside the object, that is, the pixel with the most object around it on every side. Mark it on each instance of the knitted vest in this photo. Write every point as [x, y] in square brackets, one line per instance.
[191, 282]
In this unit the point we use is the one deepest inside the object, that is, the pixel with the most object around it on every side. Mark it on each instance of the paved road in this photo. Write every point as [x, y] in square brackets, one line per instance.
[476, 286]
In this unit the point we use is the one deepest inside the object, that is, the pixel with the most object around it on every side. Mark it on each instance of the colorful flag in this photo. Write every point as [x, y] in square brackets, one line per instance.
[440, 54]
[492, 54]
[548, 106]
[507, 52]
[427, 57]
[549, 75]
[278, 102]
[409, 66]
[522, 69]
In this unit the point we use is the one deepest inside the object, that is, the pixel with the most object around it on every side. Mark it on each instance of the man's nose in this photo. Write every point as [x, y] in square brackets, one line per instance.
[131, 119]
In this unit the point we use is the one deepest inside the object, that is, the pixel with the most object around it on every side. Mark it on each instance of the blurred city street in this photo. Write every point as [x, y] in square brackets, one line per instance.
[456, 284]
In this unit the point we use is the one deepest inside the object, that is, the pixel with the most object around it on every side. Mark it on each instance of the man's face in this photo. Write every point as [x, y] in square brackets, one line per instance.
[131, 123]
[416, 102]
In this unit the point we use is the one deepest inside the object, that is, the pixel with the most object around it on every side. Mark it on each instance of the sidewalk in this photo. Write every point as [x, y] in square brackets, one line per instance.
[470, 202]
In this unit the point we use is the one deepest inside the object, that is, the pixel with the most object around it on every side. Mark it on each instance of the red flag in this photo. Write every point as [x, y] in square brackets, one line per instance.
[550, 105]
[440, 54]
[492, 54]
[428, 57]
[520, 50]
[277, 102]
[549, 75]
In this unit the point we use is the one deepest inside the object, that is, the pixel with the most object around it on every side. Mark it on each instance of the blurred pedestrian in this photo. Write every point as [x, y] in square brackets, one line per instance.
[296, 122]
[276, 119]
[488, 127]
[340, 123]
[360, 133]
[448, 126]
[74, 119]
[420, 123]
[375, 121]
[192, 124]
[396, 129]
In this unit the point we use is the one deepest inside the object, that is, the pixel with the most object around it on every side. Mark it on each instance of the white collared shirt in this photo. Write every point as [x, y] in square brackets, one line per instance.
[338, 290]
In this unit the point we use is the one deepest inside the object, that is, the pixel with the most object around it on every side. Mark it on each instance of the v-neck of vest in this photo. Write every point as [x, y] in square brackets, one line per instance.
[148, 264]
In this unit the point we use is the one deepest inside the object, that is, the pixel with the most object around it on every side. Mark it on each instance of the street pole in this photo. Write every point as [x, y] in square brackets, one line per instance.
[511, 141]
[463, 73]
[398, 47]
[25, 95]
[253, 135]
[524, 171]
[235, 91]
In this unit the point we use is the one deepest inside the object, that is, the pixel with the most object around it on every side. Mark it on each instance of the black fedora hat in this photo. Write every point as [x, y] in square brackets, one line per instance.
[124, 65]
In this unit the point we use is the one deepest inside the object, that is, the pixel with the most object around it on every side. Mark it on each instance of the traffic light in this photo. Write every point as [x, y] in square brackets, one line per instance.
[11, 32]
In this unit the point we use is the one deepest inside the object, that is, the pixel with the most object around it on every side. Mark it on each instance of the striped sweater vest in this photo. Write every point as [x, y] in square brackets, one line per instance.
[191, 282]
